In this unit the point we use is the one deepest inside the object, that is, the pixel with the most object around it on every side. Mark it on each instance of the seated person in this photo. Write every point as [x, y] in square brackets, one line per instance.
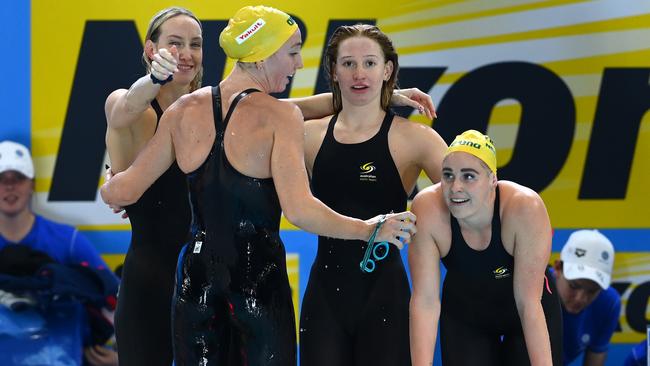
[19, 225]
[590, 307]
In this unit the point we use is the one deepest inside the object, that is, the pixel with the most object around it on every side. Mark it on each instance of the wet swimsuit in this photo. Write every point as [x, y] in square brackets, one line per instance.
[232, 304]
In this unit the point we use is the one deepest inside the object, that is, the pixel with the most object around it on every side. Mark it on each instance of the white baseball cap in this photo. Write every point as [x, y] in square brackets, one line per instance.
[14, 156]
[588, 254]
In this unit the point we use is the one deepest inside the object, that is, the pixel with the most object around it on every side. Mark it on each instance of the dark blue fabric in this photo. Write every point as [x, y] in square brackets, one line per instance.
[638, 356]
[62, 242]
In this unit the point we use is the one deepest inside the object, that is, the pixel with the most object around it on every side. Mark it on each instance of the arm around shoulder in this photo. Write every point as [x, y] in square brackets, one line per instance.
[128, 186]
[315, 106]
[431, 151]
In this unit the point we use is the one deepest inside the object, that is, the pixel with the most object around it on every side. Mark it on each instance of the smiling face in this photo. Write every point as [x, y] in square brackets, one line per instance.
[177, 27]
[183, 33]
[15, 193]
[361, 70]
[280, 67]
[466, 184]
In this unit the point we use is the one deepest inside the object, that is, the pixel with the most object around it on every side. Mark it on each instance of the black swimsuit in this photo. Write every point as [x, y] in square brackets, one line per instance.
[232, 304]
[160, 222]
[479, 321]
[349, 317]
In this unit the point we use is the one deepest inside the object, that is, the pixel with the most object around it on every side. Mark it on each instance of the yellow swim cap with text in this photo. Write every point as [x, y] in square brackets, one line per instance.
[256, 32]
[477, 144]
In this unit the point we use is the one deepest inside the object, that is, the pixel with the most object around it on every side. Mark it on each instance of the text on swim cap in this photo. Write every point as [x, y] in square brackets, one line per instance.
[245, 35]
[467, 143]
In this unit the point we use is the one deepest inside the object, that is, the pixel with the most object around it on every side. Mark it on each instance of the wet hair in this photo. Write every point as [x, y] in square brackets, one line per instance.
[153, 33]
[360, 30]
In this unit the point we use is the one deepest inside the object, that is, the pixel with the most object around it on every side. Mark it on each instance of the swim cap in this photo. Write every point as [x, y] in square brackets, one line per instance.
[477, 144]
[256, 32]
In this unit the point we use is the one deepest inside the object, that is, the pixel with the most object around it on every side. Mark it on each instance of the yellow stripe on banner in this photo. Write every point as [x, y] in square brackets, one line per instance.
[431, 15]
[596, 64]
[628, 23]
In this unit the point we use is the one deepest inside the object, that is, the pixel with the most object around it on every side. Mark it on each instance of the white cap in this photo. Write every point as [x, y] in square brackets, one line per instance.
[588, 254]
[14, 156]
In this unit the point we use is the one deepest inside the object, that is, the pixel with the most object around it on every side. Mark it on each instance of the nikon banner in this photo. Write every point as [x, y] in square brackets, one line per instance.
[562, 87]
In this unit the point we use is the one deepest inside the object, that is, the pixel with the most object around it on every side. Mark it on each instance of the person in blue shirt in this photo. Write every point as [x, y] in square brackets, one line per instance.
[19, 225]
[590, 307]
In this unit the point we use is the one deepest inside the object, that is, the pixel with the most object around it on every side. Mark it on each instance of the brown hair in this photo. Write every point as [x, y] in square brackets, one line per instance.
[153, 33]
[360, 30]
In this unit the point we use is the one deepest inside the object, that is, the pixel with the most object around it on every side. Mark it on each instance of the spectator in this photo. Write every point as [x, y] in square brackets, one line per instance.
[590, 307]
[19, 225]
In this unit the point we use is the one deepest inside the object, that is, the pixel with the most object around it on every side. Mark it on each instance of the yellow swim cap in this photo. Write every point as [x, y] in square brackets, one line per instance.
[256, 32]
[477, 144]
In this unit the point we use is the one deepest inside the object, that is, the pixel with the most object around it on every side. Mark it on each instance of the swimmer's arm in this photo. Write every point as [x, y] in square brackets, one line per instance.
[320, 105]
[532, 249]
[302, 209]
[123, 116]
[299, 206]
[315, 106]
[430, 149]
[158, 155]
[415, 98]
[125, 107]
[424, 265]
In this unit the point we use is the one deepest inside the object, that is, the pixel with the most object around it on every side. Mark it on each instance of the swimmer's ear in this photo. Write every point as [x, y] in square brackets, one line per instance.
[388, 70]
[149, 49]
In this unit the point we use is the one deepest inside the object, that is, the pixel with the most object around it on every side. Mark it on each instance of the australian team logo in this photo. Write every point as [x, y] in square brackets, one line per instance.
[366, 172]
[501, 272]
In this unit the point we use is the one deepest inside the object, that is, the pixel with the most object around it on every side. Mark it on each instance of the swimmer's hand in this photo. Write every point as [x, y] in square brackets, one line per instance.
[397, 226]
[164, 63]
[415, 98]
[116, 209]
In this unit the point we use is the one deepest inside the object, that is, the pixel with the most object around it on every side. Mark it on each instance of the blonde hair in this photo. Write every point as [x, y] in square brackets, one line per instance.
[153, 33]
